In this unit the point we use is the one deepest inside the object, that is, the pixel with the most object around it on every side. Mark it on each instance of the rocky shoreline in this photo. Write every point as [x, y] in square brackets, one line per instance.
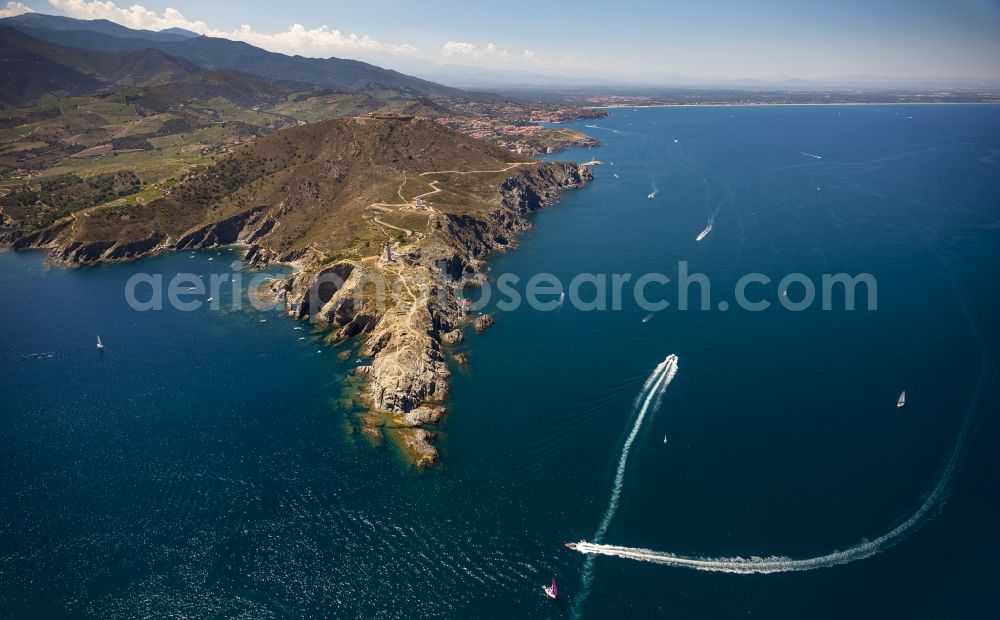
[407, 327]
[406, 333]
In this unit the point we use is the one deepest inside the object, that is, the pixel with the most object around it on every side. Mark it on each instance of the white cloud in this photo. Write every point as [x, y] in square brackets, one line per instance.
[492, 54]
[136, 16]
[300, 40]
[296, 40]
[453, 49]
[15, 8]
[322, 41]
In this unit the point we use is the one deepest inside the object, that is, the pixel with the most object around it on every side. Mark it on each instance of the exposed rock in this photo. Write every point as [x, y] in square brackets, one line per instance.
[222, 232]
[425, 414]
[417, 442]
[483, 322]
[462, 360]
[344, 355]
[408, 369]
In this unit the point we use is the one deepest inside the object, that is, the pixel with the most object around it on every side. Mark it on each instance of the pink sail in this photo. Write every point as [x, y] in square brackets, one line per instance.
[555, 589]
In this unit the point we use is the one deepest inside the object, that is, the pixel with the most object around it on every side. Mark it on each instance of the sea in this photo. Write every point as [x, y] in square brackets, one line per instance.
[209, 462]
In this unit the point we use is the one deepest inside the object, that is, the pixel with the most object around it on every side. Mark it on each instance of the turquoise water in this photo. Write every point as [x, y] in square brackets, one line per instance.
[207, 465]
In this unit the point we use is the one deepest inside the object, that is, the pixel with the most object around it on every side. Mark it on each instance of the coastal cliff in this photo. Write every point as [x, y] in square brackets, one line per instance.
[405, 333]
[327, 198]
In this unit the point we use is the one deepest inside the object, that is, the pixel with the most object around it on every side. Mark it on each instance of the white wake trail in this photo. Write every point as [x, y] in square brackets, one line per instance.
[653, 389]
[708, 229]
[648, 400]
[711, 218]
[781, 564]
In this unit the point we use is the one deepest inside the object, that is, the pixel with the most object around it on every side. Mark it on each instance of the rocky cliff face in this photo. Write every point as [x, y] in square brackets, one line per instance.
[422, 304]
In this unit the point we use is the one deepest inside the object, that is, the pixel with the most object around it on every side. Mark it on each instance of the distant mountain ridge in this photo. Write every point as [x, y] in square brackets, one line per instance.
[30, 67]
[58, 23]
[217, 53]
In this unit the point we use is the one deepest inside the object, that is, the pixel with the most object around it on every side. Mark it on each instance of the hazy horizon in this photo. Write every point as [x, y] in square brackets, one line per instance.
[643, 42]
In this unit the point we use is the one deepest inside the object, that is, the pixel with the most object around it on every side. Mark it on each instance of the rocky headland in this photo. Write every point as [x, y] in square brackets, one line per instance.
[328, 198]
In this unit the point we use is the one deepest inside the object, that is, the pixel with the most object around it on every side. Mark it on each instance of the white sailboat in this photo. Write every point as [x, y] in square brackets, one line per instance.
[902, 399]
[100, 345]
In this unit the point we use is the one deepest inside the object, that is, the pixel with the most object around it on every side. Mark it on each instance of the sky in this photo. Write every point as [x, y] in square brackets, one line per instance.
[710, 39]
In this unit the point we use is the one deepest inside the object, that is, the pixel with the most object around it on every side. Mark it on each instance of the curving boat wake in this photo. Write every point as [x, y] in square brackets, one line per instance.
[782, 564]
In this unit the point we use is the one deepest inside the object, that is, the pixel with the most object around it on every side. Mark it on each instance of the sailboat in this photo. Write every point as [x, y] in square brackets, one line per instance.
[551, 591]
[664, 440]
[902, 399]
[100, 345]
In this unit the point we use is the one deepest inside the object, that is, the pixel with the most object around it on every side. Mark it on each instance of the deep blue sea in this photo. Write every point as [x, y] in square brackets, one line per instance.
[210, 465]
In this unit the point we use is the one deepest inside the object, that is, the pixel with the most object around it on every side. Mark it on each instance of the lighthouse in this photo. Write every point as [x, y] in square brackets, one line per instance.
[387, 255]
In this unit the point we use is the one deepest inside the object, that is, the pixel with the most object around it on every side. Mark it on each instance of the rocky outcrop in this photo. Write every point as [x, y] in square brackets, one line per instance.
[223, 232]
[422, 307]
[63, 247]
[483, 322]
[135, 249]
[417, 442]
[420, 416]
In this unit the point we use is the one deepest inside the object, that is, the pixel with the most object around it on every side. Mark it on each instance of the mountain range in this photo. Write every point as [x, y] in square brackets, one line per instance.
[217, 53]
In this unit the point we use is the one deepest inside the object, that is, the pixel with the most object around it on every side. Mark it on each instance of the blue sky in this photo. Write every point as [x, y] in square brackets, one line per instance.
[728, 39]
